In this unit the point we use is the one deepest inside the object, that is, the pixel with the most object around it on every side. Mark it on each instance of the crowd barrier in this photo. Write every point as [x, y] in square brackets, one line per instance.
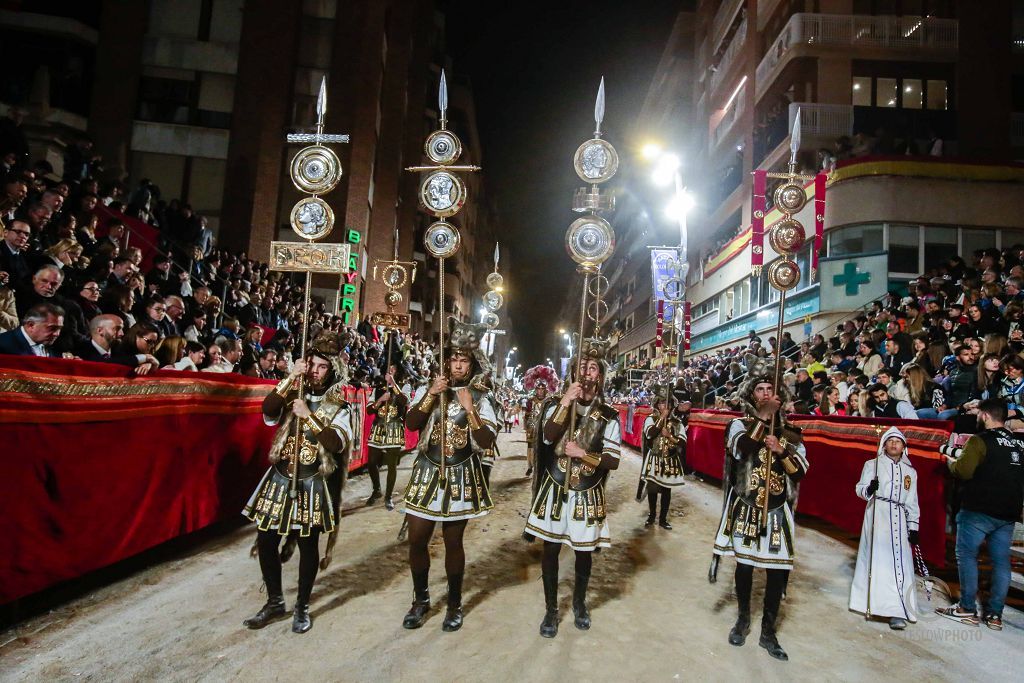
[100, 466]
[837, 448]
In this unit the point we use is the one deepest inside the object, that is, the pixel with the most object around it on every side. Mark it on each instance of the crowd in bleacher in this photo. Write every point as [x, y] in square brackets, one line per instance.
[77, 281]
[932, 351]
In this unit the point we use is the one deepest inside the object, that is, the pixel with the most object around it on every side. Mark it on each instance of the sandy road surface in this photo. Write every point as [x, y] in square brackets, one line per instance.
[655, 616]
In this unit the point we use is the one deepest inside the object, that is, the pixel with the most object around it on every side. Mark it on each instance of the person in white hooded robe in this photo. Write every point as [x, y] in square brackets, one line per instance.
[889, 484]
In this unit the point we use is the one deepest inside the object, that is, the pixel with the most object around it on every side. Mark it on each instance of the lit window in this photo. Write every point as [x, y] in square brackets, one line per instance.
[912, 94]
[862, 91]
[937, 95]
[886, 94]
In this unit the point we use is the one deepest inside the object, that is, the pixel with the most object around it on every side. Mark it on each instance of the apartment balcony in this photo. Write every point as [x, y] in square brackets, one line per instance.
[724, 67]
[820, 125]
[814, 34]
[723, 20]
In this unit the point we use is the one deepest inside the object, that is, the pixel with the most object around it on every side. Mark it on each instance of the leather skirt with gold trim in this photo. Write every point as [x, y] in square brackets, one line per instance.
[387, 434]
[269, 506]
[465, 495]
[664, 468]
[740, 534]
[578, 520]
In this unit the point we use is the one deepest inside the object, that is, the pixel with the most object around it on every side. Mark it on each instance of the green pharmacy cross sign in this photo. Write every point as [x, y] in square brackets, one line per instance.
[851, 278]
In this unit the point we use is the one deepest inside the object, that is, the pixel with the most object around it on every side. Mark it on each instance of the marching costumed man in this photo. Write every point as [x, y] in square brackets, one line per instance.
[765, 457]
[884, 558]
[470, 428]
[662, 468]
[320, 443]
[540, 379]
[387, 435]
[570, 506]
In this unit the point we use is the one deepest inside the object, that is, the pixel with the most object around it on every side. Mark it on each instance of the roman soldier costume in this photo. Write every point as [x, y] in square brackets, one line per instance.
[757, 538]
[541, 380]
[462, 494]
[387, 437]
[305, 502]
[570, 505]
[664, 441]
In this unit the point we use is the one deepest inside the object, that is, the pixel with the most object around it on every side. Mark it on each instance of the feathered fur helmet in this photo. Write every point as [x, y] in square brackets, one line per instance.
[327, 345]
[465, 338]
[541, 375]
[593, 348]
[663, 392]
[759, 370]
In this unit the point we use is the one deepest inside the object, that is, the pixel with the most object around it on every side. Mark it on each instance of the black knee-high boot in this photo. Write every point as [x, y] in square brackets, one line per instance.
[666, 499]
[549, 567]
[774, 586]
[453, 616]
[421, 601]
[270, 566]
[579, 592]
[744, 582]
[652, 503]
[309, 562]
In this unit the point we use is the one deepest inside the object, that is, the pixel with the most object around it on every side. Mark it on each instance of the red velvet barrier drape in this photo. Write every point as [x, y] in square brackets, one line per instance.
[837, 448]
[100, 466]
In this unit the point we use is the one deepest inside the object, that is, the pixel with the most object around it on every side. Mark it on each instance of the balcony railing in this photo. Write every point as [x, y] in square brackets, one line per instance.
[840, 30]
[822, 120]
[731, 52]
[722, 21]
[1017, 129]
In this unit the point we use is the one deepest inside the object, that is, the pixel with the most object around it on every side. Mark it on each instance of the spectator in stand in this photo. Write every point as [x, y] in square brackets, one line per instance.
[174, 314]
[267, 364]
[195, 328]
[40, 328]
[830, 403]
[106, 333]
[990, 376]
[881, 406]
[141, 338]
[154, 312]
[88, 299]
[961, 384]
[194, 356]
[870, 362]
[923, 394]
[170, 351]
[889, 380]
[43, 288]
[8, 306]
[227, 359]
[15, 251]
[120, 272]
[214, 356]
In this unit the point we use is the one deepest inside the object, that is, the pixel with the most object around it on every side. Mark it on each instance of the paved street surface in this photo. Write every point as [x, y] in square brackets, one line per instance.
[655, 616]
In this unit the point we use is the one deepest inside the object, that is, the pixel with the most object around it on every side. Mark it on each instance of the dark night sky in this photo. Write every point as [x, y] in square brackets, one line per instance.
[535, 68]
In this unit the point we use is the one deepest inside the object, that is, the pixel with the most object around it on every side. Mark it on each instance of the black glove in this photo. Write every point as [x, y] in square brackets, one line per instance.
[914, 537]
[872, 487]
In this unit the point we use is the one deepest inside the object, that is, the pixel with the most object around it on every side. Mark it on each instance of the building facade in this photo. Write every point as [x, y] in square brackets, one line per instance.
[198, 95]
[919, 134]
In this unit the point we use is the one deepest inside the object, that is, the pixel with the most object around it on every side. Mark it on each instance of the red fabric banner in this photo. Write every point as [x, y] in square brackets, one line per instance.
[757, 207]
[660, 325]
[837, 448]
[686, 325]
[820, 182]
[102, 466]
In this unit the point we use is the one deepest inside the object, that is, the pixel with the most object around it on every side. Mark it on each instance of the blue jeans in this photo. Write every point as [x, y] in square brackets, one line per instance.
[971, 529]
[928, 413]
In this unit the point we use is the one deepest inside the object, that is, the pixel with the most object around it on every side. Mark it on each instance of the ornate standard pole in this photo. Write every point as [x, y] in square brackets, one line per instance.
[786, 238]
[590, 239]
[442, 193]
[315, 170]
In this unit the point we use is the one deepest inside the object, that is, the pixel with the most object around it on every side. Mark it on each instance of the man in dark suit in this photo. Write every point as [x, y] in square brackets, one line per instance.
[42, 288]
[40, 327]
[105, 331]
[14, 252]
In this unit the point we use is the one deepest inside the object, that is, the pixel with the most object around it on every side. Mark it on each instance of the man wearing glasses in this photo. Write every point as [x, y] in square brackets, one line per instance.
[13, 257]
